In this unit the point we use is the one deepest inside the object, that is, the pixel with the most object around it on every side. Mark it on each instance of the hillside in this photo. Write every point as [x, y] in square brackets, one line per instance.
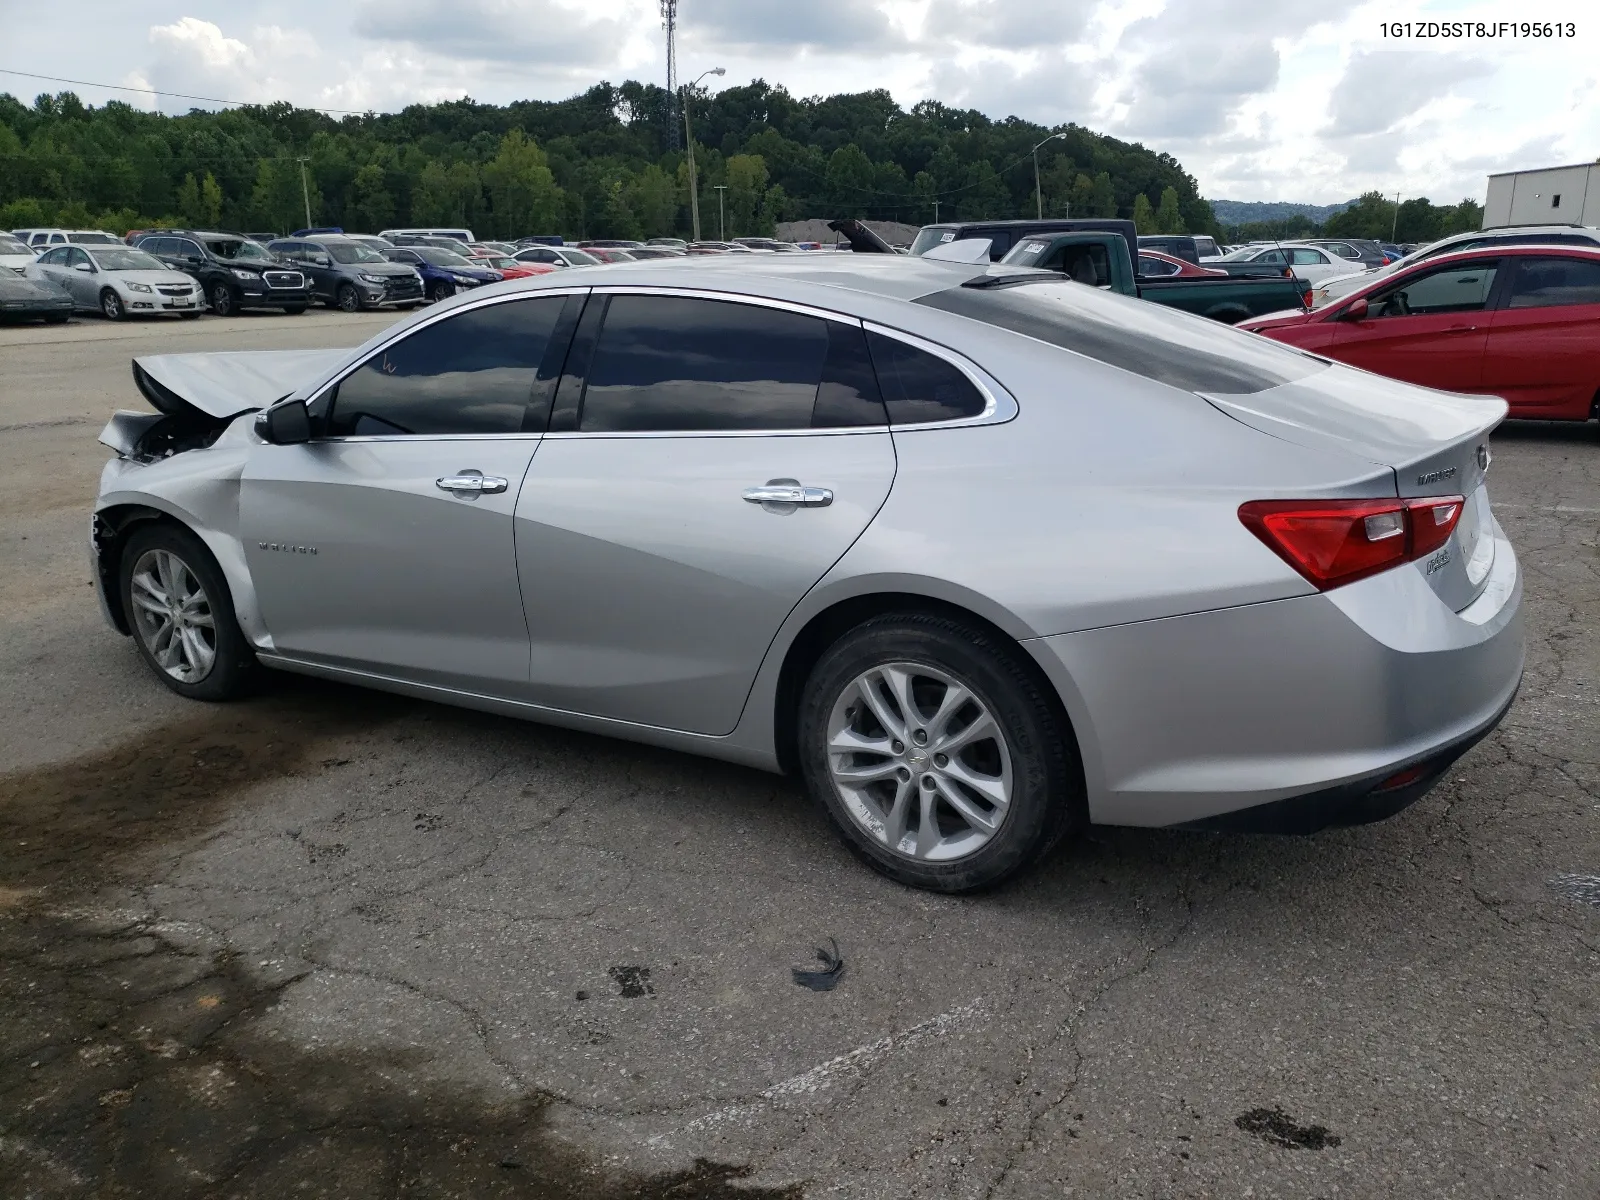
[1244, 212]
[602, 163]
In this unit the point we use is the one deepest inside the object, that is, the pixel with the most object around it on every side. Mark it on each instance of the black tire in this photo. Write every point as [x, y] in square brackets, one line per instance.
[223, 302]
[294, 310]
[234, 670]
[111, 305]
[190, 316]
[347, 298]
[440, 290]
[1047, 800]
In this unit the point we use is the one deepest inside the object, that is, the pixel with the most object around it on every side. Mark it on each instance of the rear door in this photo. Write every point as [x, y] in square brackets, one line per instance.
[1543, 353]
[654, 572]
[385, 543]
[1429, 327]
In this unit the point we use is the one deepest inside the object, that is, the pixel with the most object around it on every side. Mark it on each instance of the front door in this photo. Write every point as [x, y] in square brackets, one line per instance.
[1543, 355]
[80, 278]
[1428, 328]
[720, 459]
[385, 543]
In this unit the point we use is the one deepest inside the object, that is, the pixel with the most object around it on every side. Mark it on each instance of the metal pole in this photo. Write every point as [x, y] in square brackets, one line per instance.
[722, 222]
[694, 182]
[1038, 195]
[305, 192]
[1395, 228]
[935, 212]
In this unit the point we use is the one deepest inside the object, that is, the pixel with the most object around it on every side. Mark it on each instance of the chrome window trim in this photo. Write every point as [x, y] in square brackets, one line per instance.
[999, 406]
[688, 293]
[476, 302]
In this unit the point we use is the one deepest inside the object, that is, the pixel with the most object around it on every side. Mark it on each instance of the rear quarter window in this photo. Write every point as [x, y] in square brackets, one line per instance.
[1174, 348]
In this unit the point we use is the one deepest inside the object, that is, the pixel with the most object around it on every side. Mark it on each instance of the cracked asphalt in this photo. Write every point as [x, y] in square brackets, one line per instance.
[332, 943]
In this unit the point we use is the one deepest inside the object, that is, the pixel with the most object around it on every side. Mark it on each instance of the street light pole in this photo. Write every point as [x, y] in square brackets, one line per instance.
[1395, 228]
[722, 218]
[305, 191]
[1038, 193]
[688, 135]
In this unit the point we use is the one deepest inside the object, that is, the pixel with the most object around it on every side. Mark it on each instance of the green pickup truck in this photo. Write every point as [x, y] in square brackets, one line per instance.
[1100, 258]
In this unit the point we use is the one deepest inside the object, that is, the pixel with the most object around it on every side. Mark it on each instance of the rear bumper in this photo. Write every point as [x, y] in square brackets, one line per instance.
[1289, 714]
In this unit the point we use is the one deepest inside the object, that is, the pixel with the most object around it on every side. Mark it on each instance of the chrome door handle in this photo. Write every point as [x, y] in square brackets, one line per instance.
[789, 493]
[471, 483]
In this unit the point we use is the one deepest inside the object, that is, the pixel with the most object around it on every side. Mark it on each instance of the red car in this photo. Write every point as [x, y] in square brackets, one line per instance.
[1518, 322]
[1169, 266]
[509, 267]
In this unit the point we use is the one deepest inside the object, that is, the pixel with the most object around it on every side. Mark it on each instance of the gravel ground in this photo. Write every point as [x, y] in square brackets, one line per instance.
[332, 943]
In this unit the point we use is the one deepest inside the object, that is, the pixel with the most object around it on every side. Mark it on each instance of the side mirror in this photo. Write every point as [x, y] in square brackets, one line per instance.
[285, 424]
[84, 267]
[321, 260]
[1356, 312]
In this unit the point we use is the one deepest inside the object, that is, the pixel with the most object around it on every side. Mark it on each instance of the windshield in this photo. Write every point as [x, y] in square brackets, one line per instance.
[1147, 339]
[439, 258]
[352, 252]
[10, 245]
[238, 248]
[130, 259]
[580, 258]
[930, 236]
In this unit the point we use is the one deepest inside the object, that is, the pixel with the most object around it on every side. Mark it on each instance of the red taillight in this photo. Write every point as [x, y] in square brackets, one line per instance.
[1305, 299]
[1334, 542]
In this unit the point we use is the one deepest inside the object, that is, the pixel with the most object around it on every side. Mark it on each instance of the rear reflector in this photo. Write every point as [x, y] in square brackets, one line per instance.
[1334, 542]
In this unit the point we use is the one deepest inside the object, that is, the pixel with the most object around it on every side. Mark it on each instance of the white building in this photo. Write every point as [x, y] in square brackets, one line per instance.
[1548, 196]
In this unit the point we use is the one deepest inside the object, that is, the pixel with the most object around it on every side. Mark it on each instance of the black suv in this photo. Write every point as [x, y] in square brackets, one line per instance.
[235, 271]
[350, 274]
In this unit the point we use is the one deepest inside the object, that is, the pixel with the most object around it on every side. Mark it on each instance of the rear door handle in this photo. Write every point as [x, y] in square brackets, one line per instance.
[789, 493]
[471, 483]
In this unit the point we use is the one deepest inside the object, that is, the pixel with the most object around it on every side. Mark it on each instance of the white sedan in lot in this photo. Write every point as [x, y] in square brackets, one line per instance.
[14, 255]
[118, 281]
[1309, 263]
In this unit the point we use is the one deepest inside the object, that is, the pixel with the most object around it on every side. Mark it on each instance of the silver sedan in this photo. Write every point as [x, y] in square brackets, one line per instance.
[118, 281]
[980, 554]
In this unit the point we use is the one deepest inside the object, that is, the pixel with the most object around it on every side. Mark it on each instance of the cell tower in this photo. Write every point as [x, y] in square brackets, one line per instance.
[669, 22]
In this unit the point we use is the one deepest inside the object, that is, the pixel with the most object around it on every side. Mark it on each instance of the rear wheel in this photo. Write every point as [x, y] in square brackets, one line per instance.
[933, 747]
[347, 299]
[181, 613]
[222, 301]
[111, 305]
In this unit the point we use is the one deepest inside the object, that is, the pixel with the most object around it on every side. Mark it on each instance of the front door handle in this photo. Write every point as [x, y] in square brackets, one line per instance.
[471, 483]
[789, 493]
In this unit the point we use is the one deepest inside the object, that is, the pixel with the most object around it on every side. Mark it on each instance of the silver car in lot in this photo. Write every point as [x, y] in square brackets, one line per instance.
[118, 281]
[980, 554]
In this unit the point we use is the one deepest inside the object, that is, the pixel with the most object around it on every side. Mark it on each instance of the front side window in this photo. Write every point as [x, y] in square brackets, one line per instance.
[1274, 256]
[1555, 282]
[77, 258]
[184, 248]
[675, 363]
[54, 258]
[1448, 290]
[471, 373]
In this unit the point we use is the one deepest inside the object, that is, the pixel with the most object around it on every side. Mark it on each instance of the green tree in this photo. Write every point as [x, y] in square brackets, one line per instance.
[1144, 217]
[277, 201]
[984, 194]
[652, 197]
[189, 201]
[1168, 218]
[1103, 197]
[615, 219]
[432, 200]
[849, 182]
[370, 205]
[747, 196]
[521, 188]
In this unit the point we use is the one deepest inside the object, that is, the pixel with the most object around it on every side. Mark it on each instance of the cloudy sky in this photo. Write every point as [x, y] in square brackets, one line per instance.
[1259, 99]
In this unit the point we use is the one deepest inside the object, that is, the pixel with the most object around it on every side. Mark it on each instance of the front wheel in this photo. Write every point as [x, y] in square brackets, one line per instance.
[181, 613]
[222, 301]
[111, 305]
[934, 749]
[347, 298]
[440, 290]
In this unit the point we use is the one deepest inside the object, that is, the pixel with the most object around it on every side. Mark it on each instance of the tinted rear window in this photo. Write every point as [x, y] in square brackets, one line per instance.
[1135, 335]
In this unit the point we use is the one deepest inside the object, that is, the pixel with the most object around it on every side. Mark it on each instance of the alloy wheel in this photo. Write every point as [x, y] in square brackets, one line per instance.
[348, 300]
[919, 761]
[111, 305]
[222, 300]
[173, 617]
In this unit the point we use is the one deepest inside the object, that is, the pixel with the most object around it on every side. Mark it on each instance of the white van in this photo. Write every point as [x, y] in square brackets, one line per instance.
[461, 235]
[38, 239]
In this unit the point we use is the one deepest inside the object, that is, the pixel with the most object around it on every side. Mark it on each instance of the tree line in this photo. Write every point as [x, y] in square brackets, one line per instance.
[606, 163]
[1374, 216]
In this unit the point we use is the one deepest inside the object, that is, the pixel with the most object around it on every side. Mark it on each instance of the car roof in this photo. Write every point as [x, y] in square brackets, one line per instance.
[1519, 250]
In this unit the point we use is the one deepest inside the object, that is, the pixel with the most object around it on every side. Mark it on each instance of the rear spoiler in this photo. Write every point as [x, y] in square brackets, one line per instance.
[862, 240]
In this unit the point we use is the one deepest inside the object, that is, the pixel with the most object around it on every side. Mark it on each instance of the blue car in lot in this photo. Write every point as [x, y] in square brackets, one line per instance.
[444, 272]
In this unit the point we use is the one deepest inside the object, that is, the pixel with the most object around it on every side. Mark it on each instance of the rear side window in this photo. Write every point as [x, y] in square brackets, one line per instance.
[1555, 282]
[678, 364]
[1308, 258]
[471, 373]
[919, 386]
[1135, 335]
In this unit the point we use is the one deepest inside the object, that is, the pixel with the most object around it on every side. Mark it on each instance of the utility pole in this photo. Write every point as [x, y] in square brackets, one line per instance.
[1038, 194]
[688, 133]
[722, 219]
[1395, 228]
[935, 212]
[305, 191]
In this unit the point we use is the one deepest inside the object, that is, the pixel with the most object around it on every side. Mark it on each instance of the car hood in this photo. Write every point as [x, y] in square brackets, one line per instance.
[384, 268]
[153, 278]
[1284, 316]
[226, 383]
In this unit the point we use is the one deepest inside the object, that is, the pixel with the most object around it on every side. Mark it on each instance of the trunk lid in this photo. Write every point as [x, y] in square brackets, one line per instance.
[223, 384]
[1436, 443]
